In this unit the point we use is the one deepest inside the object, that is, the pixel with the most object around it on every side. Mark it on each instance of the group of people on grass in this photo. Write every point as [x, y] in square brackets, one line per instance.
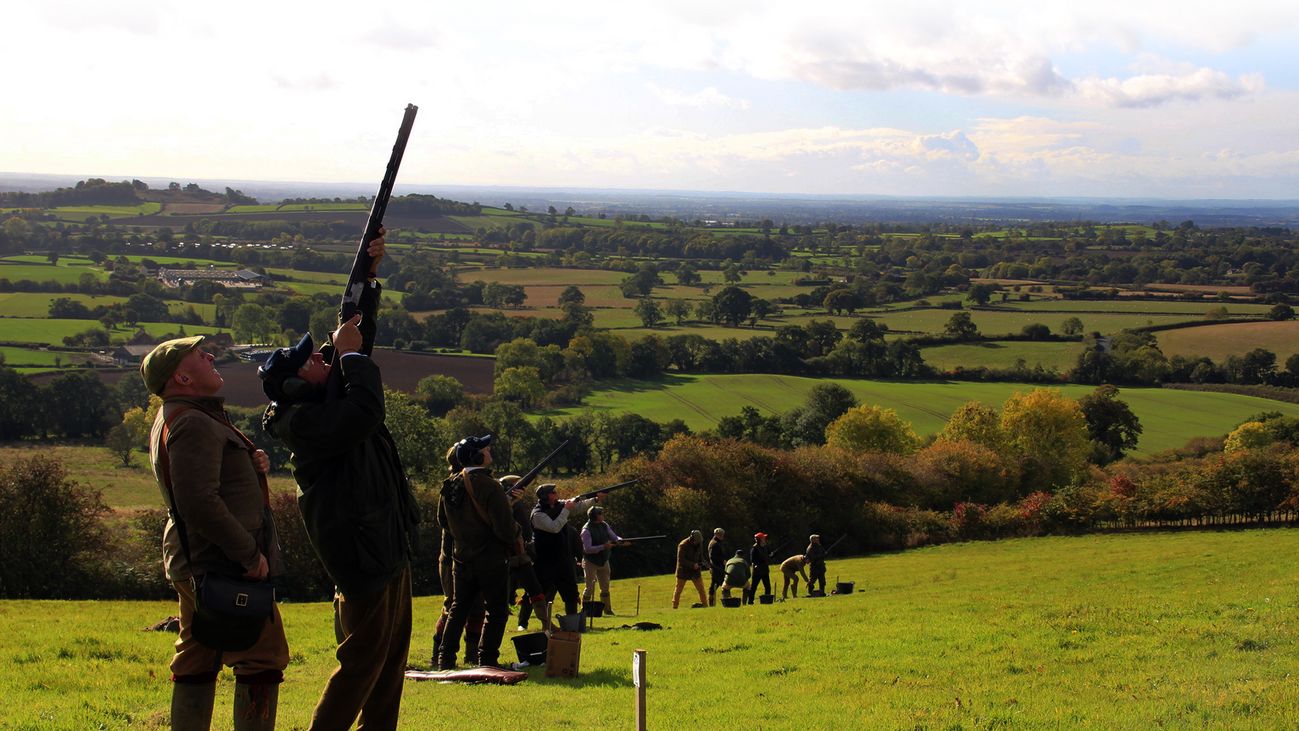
[360, 515]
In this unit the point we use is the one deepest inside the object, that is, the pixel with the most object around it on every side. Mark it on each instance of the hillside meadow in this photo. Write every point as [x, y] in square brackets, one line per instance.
[1192, 629]
[1169, 417]
[1219, 341]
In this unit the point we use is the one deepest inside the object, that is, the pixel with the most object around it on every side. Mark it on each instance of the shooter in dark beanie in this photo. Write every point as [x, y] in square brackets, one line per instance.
[356, 504]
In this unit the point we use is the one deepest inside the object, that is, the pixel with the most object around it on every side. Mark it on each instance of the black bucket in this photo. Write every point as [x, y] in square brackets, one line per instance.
[843, 587]
[531, 647]
[570, 622]
[731, 601]
[766, 598]
[593, 609]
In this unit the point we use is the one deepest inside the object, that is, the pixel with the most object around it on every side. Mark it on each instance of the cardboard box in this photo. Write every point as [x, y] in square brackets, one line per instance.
[563, 654]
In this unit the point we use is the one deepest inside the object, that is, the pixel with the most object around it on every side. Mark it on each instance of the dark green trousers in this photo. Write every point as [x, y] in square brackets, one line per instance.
[375, 631]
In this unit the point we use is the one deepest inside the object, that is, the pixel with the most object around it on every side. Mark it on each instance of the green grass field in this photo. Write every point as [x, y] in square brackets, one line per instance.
[1169, 417]
[42, 359]
[49, 330]
[123, 488]
[37, 304]
[63, 273]
[80, 213]
[1160, 630]
[1197, 309]
[1060, 356]
[1220, 341]
[992, 322]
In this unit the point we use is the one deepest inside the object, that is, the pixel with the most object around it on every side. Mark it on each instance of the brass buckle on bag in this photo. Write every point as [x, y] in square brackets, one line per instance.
[241, 600]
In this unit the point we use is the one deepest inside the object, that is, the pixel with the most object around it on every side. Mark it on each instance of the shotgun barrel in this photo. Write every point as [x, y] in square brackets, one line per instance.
[361, 265]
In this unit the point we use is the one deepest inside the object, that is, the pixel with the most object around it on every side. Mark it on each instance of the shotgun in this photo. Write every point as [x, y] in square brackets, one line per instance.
[611, 488]
[356, 281]
[532, 473]
[835, 544]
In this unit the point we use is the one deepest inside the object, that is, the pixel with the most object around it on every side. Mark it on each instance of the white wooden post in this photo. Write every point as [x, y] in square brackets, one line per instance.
[640, 681]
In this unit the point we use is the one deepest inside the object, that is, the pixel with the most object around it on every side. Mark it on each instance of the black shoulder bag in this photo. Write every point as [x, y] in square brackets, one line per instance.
[229, 612]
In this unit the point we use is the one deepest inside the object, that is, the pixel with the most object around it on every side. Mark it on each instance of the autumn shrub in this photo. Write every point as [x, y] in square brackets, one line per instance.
[52, 535]
[948, 472]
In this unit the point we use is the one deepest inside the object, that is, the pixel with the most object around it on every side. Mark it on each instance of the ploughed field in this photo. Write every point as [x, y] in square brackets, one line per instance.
[1191, 629]
[1169, 417]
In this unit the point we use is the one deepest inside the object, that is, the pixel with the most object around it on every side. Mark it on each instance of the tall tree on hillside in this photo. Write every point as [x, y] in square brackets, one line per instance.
[961, 327]
[733, 305]
[1111, 425]
[649, 312]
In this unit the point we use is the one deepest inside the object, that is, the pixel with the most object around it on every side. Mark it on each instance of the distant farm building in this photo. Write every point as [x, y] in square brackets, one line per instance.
[130, 355]
[241, 279]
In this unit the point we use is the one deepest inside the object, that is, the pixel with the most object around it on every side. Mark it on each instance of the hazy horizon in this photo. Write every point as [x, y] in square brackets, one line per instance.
[1108, 99]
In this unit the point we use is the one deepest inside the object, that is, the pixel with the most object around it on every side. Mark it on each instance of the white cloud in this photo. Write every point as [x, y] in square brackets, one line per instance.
[1148, 90]
[707, 97]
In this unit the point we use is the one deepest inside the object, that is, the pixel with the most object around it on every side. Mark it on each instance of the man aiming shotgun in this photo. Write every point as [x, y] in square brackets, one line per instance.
[357, 506]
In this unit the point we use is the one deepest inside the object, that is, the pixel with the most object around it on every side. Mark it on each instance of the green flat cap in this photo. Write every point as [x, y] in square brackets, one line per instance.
[161, 362]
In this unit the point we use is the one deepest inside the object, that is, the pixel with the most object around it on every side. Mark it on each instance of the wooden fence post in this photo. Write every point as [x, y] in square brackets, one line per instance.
[639, 679]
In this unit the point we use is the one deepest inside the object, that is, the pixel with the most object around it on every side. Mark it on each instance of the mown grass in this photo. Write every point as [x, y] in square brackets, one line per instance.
[37, 304]
[44, 359]
[1169, 417]
[1058, 355]
[1121, 631]
[63, 273]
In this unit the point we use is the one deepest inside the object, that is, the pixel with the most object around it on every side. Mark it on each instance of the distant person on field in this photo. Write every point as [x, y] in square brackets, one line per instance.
[815, 555]
[718, 552]
[760, 560]
[474, 624]
[523, 571]
[218, 482]
[554, 539]
[475, 509]
[791, 568]
[598, 538]
[737, 574]
[691, 562]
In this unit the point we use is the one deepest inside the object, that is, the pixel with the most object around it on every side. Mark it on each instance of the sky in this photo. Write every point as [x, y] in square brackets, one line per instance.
[1138, 98]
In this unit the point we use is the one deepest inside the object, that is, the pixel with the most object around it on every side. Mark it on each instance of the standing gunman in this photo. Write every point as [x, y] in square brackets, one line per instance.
[552, 536]
[356, 505]
[597, 538]
[760, 560]
[691, 561]
[214, 483]
[718, 553]
[815, 554]
[475, 510]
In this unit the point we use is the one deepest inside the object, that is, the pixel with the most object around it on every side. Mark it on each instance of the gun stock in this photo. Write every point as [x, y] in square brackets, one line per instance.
[361, 265]
[611, 488]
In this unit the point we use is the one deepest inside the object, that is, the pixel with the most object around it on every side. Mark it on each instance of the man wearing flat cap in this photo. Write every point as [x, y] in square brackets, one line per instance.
[213, 481]
[356, 504]
[475, 510]
[759, 562]
[553, 538]
[815, 554]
